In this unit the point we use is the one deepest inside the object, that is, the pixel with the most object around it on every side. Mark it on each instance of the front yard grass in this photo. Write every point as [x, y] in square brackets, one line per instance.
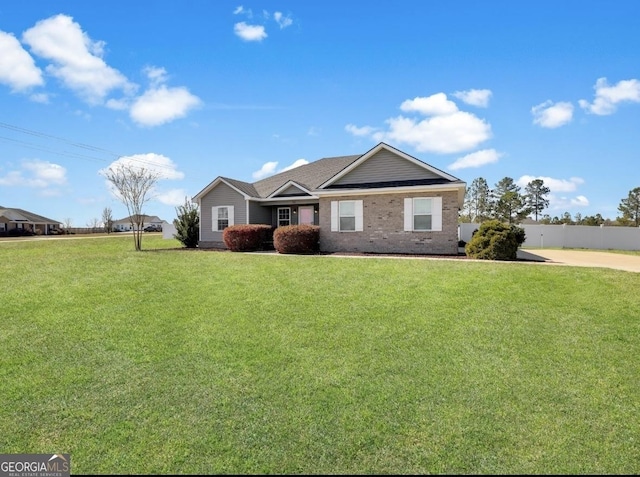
[194, 362]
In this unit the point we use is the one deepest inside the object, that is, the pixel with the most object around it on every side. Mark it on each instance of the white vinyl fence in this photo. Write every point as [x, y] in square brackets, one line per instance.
[572, 236]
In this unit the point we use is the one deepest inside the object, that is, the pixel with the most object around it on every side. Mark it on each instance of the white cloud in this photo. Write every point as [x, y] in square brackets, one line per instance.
[157, 163]
[474, 97]
[563, 203]
[37, 174]
[174, 197]
[39, 98]
[580, 200]
[452, 133]
[281, 20]
[17, 68]
[269, 168]
[434, 105]
[550, 115]
[476, 159]
[240, 9]
[118, 104]
[249, 32]
[157, 75]
[556, 185]
[298, 163]
[160, 105]
[356, 131]
[607, 97]
[447, 130]
[76, 59]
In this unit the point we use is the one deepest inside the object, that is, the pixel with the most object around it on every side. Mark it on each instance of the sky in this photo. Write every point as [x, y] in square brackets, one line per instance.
[198, 89]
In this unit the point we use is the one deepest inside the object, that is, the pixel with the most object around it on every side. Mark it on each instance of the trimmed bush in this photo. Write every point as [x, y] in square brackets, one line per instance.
[246, 238]
[297, 239]
[495, 240]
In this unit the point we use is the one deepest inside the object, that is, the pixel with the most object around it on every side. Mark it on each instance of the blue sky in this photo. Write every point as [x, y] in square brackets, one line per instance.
[198, 89]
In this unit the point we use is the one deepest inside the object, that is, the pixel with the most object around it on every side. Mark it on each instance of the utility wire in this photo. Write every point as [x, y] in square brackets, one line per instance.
[65, 153]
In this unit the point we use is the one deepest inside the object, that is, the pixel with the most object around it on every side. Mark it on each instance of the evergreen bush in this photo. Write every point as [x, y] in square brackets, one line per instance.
[495, 240]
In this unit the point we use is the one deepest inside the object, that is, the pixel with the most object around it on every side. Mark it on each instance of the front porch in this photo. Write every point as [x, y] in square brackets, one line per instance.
[293, 214]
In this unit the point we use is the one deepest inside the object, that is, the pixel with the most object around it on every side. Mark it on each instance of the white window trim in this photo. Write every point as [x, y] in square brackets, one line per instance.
[214, 216]
[278, 215]
[335, 215]
[436, 214]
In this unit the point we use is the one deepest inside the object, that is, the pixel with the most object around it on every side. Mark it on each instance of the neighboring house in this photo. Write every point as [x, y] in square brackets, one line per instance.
[19, 219]
[125, 225]
[384, 201]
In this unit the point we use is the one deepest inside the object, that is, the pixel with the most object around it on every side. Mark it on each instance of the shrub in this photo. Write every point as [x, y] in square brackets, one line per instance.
[297, 239]
[246, 238]
[495, 240]
[16, 232]
[187, 224]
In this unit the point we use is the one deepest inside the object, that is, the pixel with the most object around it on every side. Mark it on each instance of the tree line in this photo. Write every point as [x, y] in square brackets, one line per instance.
[509, 203]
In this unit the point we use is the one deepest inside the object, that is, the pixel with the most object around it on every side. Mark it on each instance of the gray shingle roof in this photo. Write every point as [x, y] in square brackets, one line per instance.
[22, 215]
[310, 176]
[242, 186]
[144, 217]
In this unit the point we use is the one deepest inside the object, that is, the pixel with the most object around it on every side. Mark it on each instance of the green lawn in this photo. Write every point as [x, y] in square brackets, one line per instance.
[190, 362]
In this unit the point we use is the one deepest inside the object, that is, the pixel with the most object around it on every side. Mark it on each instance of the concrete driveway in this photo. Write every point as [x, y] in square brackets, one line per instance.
[583, 258]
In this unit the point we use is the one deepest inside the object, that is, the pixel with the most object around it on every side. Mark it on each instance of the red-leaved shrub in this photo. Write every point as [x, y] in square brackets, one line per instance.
[247, 238]
[297, 239]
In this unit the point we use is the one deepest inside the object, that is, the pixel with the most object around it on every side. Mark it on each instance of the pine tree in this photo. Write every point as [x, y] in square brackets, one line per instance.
[536, 196]
[508, 204]
[630, 206]
[477, 201]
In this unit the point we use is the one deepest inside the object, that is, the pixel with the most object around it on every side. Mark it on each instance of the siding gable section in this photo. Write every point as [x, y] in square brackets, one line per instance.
[290, 190]
[386, 166]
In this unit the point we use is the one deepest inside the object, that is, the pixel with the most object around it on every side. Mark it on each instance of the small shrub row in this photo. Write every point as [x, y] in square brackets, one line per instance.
[247, 238]
[495, 240]
[297, 239]
[16, 232]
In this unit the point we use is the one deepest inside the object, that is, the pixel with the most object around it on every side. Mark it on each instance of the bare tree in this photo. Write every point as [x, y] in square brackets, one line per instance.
[107, 219]
[93, 224]
[67, 225]
[133, 185]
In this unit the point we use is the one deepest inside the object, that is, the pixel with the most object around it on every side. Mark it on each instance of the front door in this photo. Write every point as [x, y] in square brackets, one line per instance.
[305, 215]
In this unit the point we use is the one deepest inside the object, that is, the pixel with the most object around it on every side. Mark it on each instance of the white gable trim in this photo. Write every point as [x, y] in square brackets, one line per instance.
[213, 185]
[286, 185]
[393, 150]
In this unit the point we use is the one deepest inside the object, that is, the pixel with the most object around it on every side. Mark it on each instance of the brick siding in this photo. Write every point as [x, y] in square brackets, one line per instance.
[383, 227]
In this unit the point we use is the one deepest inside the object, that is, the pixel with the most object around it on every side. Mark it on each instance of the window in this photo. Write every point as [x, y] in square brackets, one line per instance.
[346, 216]
[284, 216]
[222, 217]
[423, 214]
